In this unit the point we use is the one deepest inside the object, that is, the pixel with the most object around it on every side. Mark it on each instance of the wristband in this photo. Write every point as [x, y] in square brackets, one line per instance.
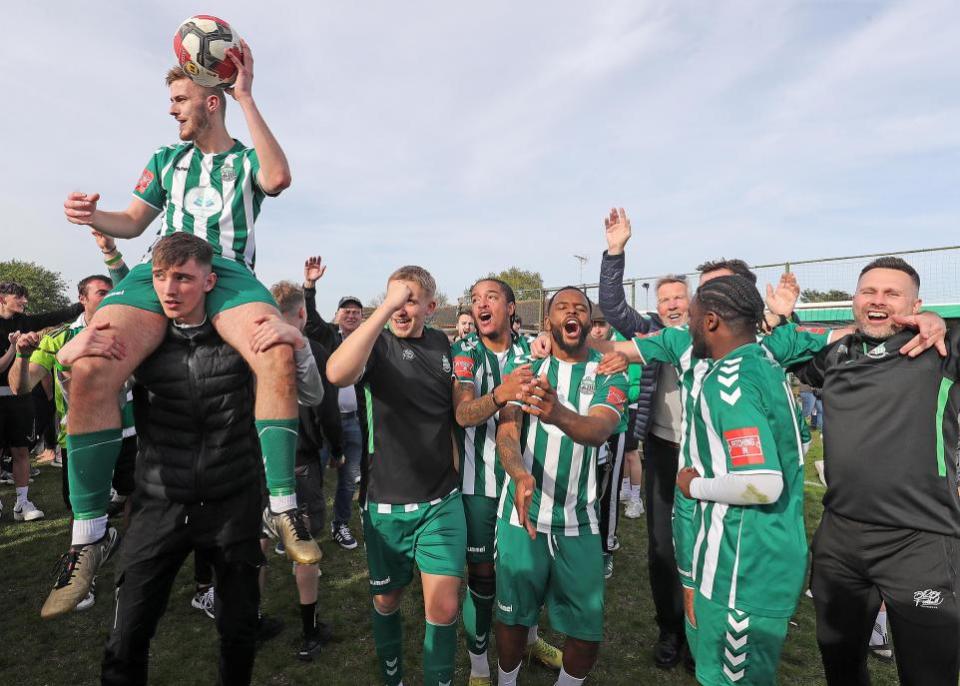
[24, 356]
[113, 260]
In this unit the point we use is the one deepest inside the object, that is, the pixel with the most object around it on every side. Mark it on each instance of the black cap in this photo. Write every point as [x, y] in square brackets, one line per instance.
[350, 299]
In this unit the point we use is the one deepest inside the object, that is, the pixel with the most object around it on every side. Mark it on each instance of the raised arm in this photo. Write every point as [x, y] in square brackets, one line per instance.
[316, 328]
[348, 361]
[81, 208]
[274, 174]
[612, 299]
[35, 322]
[112, 257]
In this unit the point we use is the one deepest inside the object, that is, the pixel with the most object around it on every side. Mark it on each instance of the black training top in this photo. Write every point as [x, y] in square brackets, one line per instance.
[890, 434]
[32, 322]
[408, 383]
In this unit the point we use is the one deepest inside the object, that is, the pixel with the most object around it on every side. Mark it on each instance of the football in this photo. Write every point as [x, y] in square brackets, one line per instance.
[201, 44]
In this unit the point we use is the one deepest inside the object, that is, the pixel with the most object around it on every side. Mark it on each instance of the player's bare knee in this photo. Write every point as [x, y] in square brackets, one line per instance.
[93, 379]
[386, 603]
[443, 608]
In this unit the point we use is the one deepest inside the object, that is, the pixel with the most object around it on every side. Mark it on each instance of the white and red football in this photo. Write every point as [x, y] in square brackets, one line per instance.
[201, 44]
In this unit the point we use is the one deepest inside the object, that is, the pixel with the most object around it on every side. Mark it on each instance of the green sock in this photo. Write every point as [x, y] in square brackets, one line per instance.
[477, 611]
[439, 652]
[90, 463]
[278, 442]
[388, 638]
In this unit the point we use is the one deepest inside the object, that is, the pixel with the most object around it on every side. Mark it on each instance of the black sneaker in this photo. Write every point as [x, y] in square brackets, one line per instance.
[667, 651]
[342, 535]
[309, 649]
[268, 627]
[313, 643]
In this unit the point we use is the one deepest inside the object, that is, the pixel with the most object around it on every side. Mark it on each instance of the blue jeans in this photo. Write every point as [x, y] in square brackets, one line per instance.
[348, 472]
[812, 408]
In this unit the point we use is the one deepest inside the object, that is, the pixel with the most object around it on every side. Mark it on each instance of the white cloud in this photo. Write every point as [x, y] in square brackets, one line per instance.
[470, 138]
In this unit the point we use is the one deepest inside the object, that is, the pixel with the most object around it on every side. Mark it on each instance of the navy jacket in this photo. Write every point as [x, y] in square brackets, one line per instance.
[628, 322]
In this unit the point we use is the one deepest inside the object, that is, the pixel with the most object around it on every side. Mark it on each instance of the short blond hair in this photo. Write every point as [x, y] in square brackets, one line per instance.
[289, 296]
[178, 74]
[417, 275]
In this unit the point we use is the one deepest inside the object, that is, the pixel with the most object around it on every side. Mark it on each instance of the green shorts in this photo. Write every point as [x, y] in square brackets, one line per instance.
[734, 647]
[481, 515]
[236, 285]
[433, 535]
[563, 572]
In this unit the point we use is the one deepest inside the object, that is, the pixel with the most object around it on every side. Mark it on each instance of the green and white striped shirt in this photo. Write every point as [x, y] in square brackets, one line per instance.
[565, 497]
[215, 197]
[787, 345]
[473, 363]
[749, 557]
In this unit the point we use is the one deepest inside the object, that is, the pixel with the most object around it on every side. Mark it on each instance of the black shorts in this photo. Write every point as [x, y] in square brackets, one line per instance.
[310, 500]
[16, 421]
[632, 442]
[123, 472]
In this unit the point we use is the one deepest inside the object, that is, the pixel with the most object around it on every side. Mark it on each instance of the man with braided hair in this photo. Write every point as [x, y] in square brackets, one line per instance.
[746, 483]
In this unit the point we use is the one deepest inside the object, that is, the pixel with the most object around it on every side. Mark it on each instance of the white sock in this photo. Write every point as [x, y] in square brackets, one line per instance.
[282, 503]
[532, 635]
[21, 495]
[88, 530]
[634, 494]
[479, 664]
[566, 680]
[507, 678]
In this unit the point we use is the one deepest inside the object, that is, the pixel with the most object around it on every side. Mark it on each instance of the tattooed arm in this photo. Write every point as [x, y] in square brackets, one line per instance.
[508, 447]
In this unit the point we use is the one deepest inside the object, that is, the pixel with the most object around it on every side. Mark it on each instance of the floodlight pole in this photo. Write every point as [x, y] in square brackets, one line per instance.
[582, 259]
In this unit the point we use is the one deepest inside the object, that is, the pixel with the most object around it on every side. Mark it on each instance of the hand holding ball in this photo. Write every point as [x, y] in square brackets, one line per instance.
[202, 44]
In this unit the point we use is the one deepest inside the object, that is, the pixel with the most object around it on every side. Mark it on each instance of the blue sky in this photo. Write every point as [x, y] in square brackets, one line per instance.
[472, 137]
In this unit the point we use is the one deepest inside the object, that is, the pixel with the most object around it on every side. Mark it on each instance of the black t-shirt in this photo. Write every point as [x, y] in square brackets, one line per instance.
[32, 322]
[408, 384]
[890, 432]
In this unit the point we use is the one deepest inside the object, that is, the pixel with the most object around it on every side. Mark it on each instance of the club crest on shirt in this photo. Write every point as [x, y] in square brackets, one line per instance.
[407, 354]
[228, 174]
[445, 363]
[588, 385]
[202, 201]
[879, 352]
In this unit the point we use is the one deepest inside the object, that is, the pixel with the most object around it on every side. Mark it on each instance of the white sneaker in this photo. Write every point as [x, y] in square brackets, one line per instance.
[27, 512]
[205, 602]
[634, 509]
[87, 602]
[624, 494]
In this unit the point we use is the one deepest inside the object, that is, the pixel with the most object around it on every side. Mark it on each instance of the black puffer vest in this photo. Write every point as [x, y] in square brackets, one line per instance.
[193, 406]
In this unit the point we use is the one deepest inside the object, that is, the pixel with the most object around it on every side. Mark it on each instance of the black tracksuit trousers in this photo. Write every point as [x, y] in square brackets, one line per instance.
[858, 565]
[161, 535]
[660, 464]
[610, 482]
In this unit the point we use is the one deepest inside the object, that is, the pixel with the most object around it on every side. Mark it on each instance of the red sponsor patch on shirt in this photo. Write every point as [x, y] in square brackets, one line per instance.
[812, 329]
[463, 367]
[616, 397]
[744, 446]
[145, 178]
